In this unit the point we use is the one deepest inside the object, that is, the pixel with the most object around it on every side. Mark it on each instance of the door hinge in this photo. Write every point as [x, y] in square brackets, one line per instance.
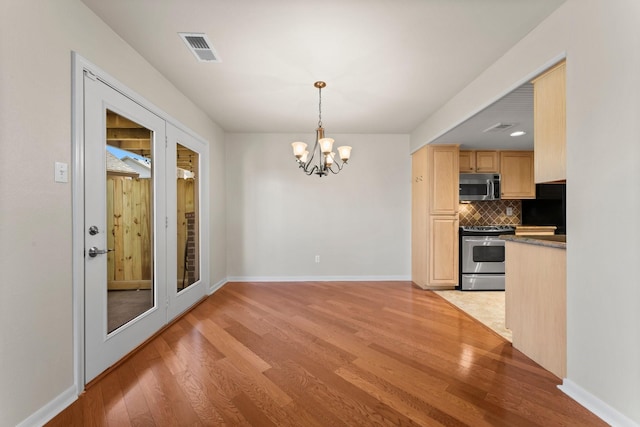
[166, 142]
[166, 222]
[90, 75]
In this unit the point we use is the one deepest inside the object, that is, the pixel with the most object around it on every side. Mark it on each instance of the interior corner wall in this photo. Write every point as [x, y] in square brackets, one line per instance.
[36, 292]
[601, 40]
[279, 219]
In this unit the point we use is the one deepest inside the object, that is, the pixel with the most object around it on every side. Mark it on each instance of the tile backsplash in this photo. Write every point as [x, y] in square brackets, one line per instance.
[490, 212]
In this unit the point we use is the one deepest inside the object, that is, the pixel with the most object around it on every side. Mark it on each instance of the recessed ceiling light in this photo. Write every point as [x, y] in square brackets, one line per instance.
[518, 133]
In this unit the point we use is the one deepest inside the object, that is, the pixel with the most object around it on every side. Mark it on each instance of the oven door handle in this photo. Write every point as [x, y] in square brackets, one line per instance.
[496, 240]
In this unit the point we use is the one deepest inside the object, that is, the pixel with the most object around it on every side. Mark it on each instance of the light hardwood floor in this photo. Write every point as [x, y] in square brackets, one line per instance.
[326, 354]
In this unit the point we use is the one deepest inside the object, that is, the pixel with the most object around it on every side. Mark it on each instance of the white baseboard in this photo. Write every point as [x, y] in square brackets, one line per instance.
[51, 409]
[602, 409]
[216, 286]
[318, 278]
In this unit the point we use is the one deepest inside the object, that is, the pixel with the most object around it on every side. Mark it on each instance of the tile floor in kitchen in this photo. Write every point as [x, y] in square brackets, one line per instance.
[485, 306]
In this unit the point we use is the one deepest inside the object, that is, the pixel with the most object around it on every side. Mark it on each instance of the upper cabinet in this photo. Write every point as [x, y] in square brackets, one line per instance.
[443, 179]
[516, 169]
[467, 161]
[549, 112]
[486, 161]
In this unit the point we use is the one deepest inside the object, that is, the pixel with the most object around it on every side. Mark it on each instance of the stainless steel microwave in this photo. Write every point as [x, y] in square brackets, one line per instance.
[479, 186]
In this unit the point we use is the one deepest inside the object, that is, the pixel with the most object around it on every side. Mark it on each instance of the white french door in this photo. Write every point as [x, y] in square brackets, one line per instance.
[125, 226]
[143, 227]
[186, 284]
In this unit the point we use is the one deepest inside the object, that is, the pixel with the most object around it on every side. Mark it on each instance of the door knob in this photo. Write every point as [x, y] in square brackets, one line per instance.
[93, 251]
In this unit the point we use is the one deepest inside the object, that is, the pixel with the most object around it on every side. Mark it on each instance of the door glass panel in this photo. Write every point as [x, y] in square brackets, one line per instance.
[130, 284]
[188, 241]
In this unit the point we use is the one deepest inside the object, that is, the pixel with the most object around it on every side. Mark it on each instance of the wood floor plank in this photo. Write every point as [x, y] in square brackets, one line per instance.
[174, 394]
[219, 390]
[295, 381]
[154, 393]
[94, 415]
[137, 407]
[196, 395]
[251, 412]
[326, 354]
[115, 407]
[403, 403]
[227, 345]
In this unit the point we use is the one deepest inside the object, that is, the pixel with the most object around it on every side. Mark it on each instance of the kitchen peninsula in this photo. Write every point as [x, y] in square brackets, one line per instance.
[535, 298]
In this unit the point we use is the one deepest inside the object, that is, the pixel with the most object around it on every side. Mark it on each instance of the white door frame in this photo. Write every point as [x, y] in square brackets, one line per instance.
[78, 66]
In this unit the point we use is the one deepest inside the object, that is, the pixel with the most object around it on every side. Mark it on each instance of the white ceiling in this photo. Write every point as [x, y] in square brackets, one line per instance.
[515, 109]
[388, 64]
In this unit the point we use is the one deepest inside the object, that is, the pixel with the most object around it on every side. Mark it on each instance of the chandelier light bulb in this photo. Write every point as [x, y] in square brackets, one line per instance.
[345, 152]
[298, 149]
[326, 145]
[328, 160]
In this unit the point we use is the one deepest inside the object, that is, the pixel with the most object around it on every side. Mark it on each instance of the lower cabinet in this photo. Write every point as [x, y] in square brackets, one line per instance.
[536, 303]
[443, 251]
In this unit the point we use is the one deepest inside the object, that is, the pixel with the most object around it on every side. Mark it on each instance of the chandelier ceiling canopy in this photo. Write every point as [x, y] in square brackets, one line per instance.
[321, 160]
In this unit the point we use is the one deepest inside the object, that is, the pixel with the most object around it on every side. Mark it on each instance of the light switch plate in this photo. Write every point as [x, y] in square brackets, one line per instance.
[62, 172]
[509, 211]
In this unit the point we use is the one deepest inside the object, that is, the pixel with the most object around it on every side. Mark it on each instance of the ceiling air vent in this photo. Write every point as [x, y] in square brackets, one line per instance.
[499, 127]
[199, 44]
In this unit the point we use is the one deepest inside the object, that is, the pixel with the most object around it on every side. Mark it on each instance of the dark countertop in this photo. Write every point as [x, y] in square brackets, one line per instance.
[558, 241]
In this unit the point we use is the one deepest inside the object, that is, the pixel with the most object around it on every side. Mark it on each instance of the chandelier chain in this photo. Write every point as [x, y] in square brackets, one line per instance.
[320, 107]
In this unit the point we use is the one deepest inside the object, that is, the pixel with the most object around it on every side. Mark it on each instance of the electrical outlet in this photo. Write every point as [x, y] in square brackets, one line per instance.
[317, 259]
[509, 211]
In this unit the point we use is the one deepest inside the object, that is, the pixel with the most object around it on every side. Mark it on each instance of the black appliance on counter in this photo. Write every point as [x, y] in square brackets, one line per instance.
[548, 208]
[482, 256]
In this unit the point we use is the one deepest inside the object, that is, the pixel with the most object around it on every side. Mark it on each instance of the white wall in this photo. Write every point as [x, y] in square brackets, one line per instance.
[601, 40]
[279, 219]
[36, 40]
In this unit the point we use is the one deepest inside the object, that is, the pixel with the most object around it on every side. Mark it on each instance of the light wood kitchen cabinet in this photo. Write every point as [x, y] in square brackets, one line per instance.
[443, 180]
[536, 303]
[482, 161]
[419, 213]
[467, 161]
[549, 115]
[434, 217]
[516, 169]
[487, 161]
[443, 249]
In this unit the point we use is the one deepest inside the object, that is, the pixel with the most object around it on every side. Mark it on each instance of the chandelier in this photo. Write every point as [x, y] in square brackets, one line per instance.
[322, 159]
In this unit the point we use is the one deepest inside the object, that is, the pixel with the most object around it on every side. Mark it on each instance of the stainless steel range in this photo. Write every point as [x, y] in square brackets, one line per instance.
[482, 257]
